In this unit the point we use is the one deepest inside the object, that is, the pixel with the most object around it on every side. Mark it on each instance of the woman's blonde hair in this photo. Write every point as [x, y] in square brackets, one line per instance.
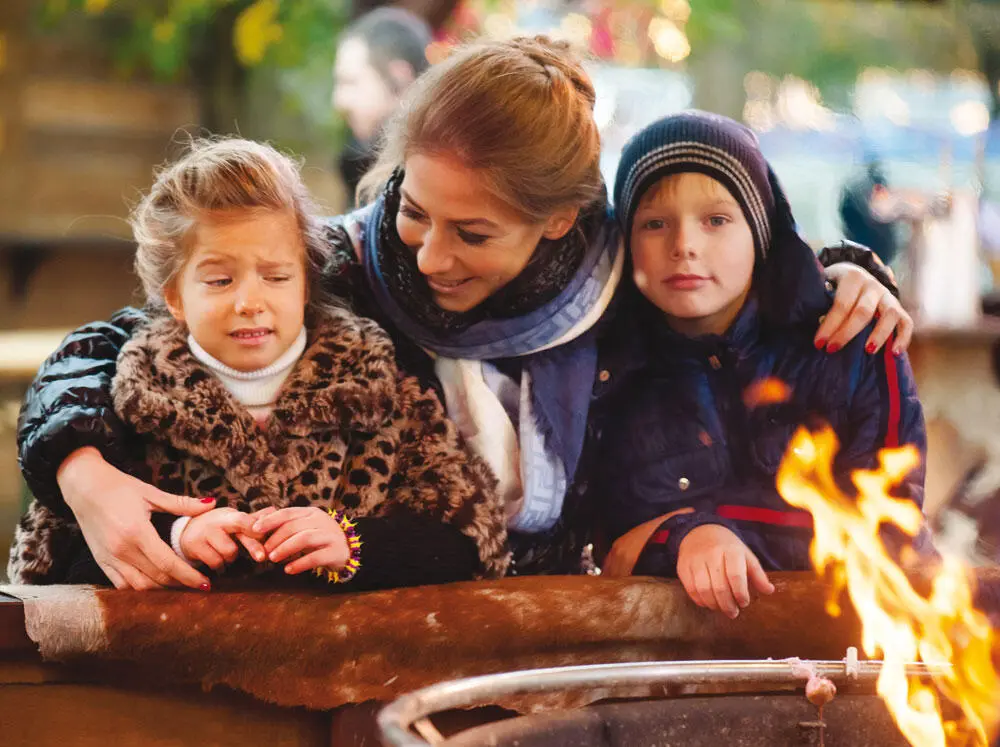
[217, 175]
[520, 112]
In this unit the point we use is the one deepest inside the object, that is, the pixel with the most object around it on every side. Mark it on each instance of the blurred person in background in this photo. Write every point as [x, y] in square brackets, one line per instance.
[863, 215]
[871, 211]
[378, 57]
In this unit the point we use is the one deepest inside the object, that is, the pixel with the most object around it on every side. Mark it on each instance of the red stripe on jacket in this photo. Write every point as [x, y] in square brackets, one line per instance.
[766, 516]
[892, 377]
[660, 538]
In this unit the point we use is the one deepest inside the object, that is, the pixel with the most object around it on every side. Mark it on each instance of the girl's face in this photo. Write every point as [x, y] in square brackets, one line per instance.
[693, 253]
[242, 290]
[468, 244]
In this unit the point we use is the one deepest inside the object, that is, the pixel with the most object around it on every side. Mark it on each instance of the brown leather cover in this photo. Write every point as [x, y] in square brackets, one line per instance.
[322, 651]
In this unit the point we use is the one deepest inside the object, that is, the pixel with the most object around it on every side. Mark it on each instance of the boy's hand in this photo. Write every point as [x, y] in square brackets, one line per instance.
[309, 533]
[626, 550]
[208, 538]
[714, 565]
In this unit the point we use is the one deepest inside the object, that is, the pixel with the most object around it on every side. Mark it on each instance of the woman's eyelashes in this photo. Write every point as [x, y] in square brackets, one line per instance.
[473, 239]
[410, 213]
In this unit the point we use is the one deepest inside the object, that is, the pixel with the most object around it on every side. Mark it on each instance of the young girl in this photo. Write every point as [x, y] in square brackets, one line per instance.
[691, 451]
[249, 386]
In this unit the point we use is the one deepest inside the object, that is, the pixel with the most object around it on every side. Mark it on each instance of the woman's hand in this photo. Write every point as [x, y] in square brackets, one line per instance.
[859, 298]
[714, 565]
[311, 534]
[113, 510]
[209, 538]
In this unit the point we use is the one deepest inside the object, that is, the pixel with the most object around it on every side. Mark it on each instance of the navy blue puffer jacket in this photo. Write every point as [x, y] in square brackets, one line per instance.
[677, 432]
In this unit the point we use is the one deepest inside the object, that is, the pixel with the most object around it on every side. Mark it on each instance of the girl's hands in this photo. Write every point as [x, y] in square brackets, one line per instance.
[209, 538]
[310, 536]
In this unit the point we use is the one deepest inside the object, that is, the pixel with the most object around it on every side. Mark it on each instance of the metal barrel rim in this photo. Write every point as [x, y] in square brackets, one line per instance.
[395, 719]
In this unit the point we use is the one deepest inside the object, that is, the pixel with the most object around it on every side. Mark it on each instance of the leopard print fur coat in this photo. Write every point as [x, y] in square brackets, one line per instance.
[348, 431]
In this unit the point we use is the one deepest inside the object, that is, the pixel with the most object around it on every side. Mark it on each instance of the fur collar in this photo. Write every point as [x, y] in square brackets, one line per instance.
[345, 382]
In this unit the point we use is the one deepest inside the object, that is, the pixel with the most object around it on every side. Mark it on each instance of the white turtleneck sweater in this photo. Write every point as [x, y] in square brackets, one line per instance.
[255, 390]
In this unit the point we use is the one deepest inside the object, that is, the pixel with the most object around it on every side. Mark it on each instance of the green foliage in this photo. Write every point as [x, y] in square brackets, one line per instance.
[164, 36]
[715, 22]
[830, 43]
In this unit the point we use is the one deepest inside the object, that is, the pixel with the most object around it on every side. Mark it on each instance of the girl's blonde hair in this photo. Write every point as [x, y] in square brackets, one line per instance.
[217, 175]
[520, 112]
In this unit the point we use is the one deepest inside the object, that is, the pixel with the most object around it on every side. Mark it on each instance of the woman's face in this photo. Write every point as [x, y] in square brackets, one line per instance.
[468, 245]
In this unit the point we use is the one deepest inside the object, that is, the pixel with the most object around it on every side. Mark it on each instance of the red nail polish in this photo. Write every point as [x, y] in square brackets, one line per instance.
[208, 500]
[820, 343]
[833, 348]
[870, 348]
[205, 587]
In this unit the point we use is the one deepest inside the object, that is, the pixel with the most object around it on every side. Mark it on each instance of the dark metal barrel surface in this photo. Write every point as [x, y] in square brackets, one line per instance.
[777, 720]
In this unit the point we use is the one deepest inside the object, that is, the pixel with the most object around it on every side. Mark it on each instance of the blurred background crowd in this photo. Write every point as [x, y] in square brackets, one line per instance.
[880, 118]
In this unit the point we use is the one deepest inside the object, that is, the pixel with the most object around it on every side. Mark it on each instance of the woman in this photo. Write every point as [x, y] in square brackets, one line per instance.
[490, 257]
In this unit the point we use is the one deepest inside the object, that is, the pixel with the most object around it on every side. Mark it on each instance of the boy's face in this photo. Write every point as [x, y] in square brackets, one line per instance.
[242, 290]
[693, 253]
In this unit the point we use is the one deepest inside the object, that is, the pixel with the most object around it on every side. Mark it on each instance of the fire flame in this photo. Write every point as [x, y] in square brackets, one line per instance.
[766, 391]
[898, 621]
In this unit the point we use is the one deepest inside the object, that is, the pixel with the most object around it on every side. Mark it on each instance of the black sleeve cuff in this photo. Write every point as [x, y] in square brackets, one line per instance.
[863, 257]
[69, 430]
[163, 523]
[409, 550]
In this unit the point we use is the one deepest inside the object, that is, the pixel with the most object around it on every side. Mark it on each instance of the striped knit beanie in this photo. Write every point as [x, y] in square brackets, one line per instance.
[706, 143]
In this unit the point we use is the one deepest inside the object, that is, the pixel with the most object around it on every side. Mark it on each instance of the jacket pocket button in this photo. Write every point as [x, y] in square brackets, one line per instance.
[604, 376]
[684, 483]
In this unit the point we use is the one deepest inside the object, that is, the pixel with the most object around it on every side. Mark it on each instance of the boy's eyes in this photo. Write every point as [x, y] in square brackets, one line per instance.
[657, 224]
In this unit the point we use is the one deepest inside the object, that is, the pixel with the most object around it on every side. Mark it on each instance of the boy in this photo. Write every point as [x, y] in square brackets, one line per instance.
[731, 298]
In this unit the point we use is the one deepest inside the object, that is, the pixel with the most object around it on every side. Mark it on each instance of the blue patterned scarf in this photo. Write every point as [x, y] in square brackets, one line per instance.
[554, 340]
